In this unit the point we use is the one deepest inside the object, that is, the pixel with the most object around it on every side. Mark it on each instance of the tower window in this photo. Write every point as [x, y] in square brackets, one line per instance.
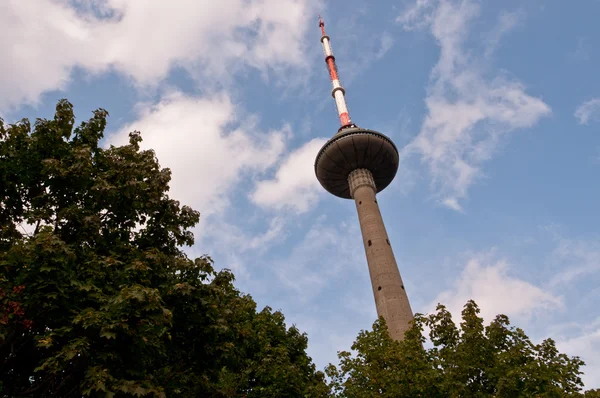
[360, 202]
[402, 286]
[379, 288]
[388, 241]
[375, 200]
[369, 242]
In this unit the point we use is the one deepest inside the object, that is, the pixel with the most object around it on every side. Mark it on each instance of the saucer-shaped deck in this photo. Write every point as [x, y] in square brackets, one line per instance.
[351, 149]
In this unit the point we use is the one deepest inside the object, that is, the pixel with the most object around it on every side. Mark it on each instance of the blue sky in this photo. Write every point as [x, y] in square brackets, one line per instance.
[495, 107]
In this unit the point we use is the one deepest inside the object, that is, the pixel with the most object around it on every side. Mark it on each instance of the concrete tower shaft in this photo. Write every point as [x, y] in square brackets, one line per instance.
[391, 299]
[357, 163]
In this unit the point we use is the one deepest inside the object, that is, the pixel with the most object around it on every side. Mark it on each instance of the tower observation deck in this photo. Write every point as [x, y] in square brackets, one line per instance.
[357, 163]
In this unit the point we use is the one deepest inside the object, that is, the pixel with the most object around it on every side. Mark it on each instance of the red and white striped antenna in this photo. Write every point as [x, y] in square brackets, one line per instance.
[338, 92]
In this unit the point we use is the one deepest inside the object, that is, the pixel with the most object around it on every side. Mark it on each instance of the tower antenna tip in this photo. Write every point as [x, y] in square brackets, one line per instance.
[322, 25]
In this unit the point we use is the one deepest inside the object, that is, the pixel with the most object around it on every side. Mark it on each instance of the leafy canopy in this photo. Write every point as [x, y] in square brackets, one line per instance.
[98, 299]
[469, 360]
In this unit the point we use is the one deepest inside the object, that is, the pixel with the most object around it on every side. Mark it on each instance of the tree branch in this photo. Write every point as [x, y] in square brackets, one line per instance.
[37, 227]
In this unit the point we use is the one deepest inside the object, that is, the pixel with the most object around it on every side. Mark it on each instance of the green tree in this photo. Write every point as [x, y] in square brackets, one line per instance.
[98, 299]
[470, 360]
[595, 393]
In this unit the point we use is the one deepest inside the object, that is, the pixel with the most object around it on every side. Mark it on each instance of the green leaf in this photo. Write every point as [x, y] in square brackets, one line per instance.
[108, 334]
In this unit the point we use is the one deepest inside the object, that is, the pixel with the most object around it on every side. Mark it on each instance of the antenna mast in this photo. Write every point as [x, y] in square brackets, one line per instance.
[338, 92]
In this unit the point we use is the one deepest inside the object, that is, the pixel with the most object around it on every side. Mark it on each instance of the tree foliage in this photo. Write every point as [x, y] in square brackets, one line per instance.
[470, 360]
[98, 299]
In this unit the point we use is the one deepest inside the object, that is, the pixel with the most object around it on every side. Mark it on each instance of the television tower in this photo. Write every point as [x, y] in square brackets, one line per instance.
[356, 164]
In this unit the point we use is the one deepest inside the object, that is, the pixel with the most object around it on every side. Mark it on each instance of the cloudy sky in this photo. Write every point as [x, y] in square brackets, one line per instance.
[495, 106]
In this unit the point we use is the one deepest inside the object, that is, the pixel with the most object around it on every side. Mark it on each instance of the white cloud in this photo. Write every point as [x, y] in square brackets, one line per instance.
[467, 114]
[418, 16]
[294, 184]
[453, 204]
[578, 259]
[325, 255]
[232, 244]
[588, 111]
[194, 138]
[232, 238]
[488, 282]
[144, 39]
[386, 43]
[585, 343]
[507, 21]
